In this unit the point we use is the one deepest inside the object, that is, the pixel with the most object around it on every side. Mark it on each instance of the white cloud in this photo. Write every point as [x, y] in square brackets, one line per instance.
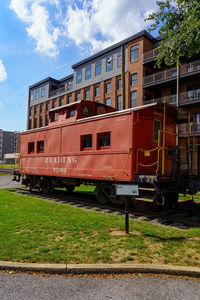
[3, 73]
[111, 20]
[36, 15]
[91, 24]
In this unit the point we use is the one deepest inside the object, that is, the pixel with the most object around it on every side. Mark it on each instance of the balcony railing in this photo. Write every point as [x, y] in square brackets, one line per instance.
[160, 76]
[183, 129]
[172, 72]
[66, 88]
[184, 98]
[189, 96]
[150, 54]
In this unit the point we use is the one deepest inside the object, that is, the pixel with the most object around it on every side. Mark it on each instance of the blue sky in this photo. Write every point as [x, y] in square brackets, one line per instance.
[42, 38]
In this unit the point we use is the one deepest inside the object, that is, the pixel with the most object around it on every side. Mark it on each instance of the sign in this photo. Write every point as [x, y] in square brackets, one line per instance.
[127, 189]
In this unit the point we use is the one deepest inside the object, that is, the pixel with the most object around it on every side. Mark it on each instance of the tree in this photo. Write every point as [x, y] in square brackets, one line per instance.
[178, 23]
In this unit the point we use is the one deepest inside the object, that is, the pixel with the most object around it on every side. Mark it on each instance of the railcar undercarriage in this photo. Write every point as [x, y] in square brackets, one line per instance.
[153, 190]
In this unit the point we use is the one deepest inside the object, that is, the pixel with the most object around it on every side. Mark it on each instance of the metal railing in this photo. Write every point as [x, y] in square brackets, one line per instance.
[184, 98]
[172, 72]
[160, 76]
[150, 54]
[65, 88]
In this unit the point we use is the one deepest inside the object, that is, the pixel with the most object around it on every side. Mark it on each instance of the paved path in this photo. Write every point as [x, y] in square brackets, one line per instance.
[28, 287]
[6, 182]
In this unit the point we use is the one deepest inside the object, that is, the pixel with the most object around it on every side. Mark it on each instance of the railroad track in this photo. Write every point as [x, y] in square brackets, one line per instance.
[184, 216]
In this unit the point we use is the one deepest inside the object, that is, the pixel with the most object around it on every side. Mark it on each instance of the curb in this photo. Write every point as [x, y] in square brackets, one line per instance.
[100, 268]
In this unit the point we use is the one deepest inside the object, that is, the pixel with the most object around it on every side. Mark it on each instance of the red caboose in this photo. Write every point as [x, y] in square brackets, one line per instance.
[88, 142]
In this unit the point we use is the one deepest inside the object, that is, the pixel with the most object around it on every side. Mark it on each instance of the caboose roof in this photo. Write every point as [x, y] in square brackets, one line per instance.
[178, 114]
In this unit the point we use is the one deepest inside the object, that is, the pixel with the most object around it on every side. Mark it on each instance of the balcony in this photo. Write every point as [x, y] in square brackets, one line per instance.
[149, 55]
[160, 76]
[183, 129]
[189, 97]
[184, 98]
[68, 87]
[185, 69]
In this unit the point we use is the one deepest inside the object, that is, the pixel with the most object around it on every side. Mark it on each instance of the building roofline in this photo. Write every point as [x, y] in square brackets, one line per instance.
[125, 41]
[43, 81]
[51, 79]
[66, 77]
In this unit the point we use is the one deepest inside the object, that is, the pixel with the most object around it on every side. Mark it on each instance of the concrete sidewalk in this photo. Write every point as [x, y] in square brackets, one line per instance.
[7, 182]
[101, 268]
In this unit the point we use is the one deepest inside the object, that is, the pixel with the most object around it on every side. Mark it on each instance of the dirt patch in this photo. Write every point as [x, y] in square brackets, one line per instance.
[118, 232]
[193, 239]
[23, 231]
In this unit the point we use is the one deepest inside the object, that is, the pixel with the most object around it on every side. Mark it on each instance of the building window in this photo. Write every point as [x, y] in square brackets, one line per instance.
[119, 102]
[47, 120]
[70, 99]
[119, 59]
[98, 68]
[86, 142]
[31, 147]
[78, 76]
[173, 95]
[30, 112]
[78, 96]
[133, 79]
[41, 121]
[104, 140]
[54, 103]
[61, 101]
[48, 106]
[30, 124]
[43, 92]
[119, 84]
[134, 53]
[97, 91]
[40, 147]
[87, 94]
[37, 95]
[41, 108]
[88, 72]
[108, 87]
[108, 101]
[156, 128]
[133, 99]
[35, 122]
[109, 63]
[32, 95]
[36, 110]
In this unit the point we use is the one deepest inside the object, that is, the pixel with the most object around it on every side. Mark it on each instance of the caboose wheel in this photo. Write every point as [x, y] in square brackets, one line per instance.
[170, 199]
[102, 193]
[70, 188]
[44, 185]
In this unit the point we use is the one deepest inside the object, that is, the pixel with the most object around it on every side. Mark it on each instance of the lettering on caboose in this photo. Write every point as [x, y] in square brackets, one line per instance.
[69, 160]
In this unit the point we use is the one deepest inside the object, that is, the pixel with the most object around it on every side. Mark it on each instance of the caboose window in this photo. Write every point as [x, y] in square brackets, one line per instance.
[86, 142]
[31, 147]
[72, 112]
[54, 117]
[40, 146]
[156, 128]
[104, 140]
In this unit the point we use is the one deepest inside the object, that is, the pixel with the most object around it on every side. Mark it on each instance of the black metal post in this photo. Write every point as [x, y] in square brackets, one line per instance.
[127, 215]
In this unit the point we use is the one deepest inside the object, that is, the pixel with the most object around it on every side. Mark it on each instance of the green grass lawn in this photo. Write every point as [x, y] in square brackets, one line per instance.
[7, 166]
[33, 230]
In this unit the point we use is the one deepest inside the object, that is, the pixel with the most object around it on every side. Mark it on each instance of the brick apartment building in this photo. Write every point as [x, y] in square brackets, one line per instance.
[9, 142]
[98, 78]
